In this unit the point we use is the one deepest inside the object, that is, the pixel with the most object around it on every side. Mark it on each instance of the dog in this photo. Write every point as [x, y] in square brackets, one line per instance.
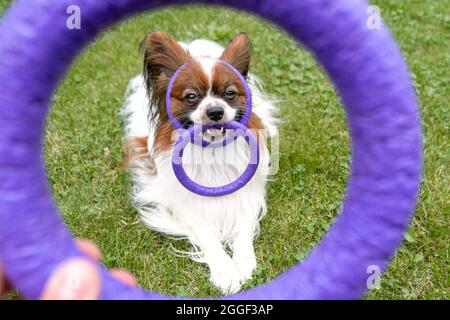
[206, 92]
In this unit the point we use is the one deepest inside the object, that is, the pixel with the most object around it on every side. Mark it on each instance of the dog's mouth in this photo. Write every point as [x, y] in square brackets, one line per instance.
[214, 134]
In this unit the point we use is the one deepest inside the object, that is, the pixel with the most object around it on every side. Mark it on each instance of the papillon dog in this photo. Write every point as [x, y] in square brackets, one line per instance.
[220, 229]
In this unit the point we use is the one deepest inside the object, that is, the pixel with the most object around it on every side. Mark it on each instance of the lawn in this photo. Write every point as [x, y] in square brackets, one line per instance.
[83, 150]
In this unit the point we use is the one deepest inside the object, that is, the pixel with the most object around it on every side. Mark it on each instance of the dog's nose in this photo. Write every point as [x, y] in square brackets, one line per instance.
[215, 113]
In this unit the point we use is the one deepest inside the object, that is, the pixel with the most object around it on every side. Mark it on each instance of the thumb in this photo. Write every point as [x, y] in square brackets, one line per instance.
[74, 279]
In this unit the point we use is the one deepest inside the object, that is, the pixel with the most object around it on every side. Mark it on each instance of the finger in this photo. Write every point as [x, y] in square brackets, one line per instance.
[89, 248]
[75, 279]
[124, 276]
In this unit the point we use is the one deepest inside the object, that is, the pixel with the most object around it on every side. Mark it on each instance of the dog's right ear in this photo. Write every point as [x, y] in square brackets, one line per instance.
[162, 57]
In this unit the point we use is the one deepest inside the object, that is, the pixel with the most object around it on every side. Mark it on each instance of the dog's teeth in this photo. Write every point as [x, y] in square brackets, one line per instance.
[221, 130]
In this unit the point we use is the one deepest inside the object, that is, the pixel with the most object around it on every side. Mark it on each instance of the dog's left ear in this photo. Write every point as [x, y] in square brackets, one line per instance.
[238, 53]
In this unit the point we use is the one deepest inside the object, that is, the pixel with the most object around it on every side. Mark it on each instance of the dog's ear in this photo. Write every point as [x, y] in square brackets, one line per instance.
[162, 54]
[238, 53]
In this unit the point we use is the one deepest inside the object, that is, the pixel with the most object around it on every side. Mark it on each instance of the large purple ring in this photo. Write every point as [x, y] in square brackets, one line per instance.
[365, 65]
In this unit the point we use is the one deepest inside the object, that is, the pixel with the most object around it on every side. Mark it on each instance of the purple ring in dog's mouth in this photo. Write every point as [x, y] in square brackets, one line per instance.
[192, 135]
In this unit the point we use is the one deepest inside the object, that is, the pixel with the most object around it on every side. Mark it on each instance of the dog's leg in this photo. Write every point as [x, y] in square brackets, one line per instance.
[224, 274]
[243, 251]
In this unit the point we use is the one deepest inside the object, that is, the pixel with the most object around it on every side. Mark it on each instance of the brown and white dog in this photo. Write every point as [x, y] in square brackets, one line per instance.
[205, 92]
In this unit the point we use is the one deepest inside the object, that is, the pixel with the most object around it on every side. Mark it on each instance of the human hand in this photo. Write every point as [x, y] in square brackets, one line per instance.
[62, 285]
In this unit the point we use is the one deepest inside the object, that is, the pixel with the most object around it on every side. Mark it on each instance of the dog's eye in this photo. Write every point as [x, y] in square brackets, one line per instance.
[191, 97]
[229, 95]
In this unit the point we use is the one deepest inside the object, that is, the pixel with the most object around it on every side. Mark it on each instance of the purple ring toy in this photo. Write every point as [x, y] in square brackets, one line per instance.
[188, 183]
[192, 134]
[366, 67]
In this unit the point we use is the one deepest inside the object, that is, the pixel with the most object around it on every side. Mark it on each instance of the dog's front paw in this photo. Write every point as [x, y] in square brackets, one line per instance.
[245, 267]
[226, 277]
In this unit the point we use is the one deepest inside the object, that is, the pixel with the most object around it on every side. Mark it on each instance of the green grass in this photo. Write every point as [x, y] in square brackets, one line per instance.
[83, 150]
